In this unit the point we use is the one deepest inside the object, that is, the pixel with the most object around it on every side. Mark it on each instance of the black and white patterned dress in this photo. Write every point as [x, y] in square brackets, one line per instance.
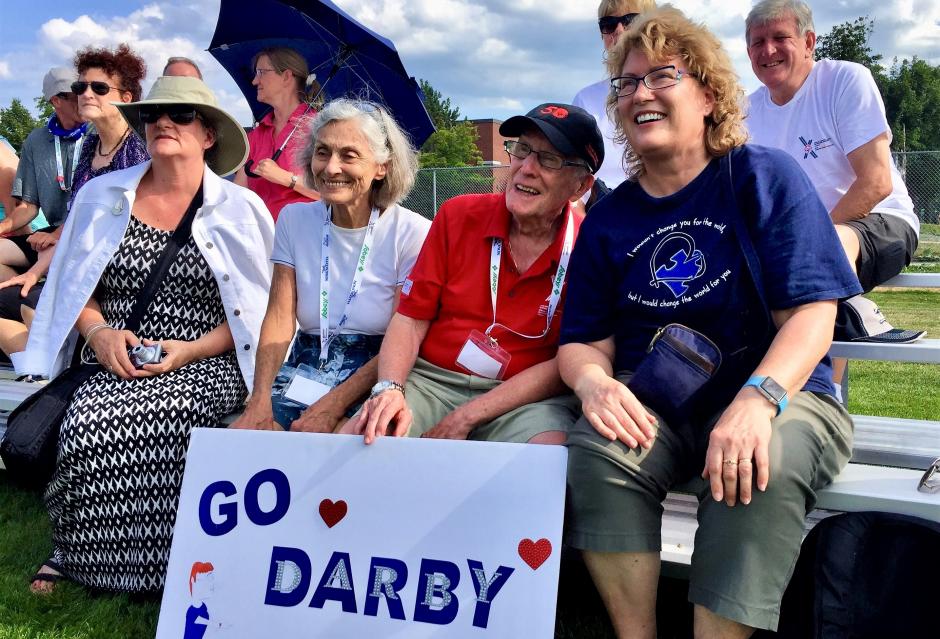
[113, 497]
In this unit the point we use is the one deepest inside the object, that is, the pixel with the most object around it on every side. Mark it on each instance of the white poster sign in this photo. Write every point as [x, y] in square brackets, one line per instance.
[296, 534]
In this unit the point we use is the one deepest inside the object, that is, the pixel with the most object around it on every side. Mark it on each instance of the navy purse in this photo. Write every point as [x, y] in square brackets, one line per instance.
[678, 364]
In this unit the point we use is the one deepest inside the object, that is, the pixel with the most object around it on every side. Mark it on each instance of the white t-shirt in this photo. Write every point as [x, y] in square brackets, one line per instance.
[593, 99]
[298, 235]
[837, 110]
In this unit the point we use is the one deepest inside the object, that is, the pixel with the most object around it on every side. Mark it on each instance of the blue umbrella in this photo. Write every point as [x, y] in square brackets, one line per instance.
[349, 59]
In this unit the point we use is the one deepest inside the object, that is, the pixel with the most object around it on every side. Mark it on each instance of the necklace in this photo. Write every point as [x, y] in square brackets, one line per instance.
[113, 148]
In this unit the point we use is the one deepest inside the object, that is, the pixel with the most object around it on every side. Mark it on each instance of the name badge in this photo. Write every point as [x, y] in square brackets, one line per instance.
[305, 390]
[482, 356]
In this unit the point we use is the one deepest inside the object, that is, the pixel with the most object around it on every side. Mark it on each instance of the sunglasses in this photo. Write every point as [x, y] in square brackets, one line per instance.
[608, 24]
[178, 113]
[99, 88]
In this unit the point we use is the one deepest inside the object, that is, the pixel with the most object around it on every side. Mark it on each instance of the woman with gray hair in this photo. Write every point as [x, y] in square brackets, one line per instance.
[339, 265]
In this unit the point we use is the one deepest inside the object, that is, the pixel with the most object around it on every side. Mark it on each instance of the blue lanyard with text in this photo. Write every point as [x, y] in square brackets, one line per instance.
[327, 336]
[558, 281]
[59, 168]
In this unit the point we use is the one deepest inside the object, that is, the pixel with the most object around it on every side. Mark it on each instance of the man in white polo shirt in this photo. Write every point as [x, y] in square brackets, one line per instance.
[830, 117]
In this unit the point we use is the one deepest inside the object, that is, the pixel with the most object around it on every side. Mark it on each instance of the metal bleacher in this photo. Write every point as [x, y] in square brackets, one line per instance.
[889, 457]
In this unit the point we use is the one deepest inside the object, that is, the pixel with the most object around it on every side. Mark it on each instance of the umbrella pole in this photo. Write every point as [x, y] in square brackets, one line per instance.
[344, 54]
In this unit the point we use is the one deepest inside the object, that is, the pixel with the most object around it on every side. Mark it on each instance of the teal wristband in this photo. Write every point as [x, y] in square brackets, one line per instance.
[771, 390]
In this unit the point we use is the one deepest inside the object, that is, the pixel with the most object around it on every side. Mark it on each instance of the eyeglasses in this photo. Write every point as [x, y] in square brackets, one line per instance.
[178, 113]
[259, 72]
[658, 78]
[521, 151]
[100, 88]
[608, 24]
[930, 482]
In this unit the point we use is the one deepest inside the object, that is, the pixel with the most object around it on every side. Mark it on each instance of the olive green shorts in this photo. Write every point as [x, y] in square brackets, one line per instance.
[744, 555]
[432, 392]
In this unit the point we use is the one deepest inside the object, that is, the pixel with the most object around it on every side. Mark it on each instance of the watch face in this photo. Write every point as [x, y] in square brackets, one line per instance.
[777, 392]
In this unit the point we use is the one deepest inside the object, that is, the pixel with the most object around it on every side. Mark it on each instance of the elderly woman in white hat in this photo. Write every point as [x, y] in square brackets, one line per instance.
[123, 439]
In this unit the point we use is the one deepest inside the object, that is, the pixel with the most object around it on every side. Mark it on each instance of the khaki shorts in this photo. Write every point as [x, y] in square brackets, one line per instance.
[432, 392]
[744, 555]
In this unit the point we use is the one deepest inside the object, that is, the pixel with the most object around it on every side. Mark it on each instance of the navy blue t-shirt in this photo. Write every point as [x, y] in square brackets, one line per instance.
[642, 262]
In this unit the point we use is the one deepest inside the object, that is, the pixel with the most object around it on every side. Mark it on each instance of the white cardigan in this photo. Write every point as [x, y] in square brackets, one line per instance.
[233, 230]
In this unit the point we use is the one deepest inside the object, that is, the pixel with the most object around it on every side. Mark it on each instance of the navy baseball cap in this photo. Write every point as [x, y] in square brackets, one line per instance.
[570, 129]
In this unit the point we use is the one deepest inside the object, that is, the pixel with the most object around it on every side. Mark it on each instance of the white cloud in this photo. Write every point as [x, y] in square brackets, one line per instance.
[491, 57]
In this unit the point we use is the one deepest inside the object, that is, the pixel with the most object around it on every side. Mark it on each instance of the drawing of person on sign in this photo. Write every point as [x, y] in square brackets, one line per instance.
[202, 588]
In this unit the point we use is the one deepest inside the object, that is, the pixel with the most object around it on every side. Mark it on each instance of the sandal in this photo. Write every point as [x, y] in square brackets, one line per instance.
[46, 577]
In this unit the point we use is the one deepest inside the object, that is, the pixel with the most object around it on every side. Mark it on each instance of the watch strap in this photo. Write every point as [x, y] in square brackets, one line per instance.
[757, 382]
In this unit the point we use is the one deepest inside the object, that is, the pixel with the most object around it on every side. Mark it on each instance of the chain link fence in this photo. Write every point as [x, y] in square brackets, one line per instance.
[921, 173]
[433, 187]
[920, 170]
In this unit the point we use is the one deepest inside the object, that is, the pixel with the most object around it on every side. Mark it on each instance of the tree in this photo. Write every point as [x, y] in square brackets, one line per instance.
[44, 108]
[454, 142]
[912, 99]
[453, 146]
[442, 113]
[16, 122]
[849, 41]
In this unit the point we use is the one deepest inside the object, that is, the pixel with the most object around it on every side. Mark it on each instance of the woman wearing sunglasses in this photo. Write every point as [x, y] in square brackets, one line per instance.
[614, 16]
[104, 76]
[730, 241]
[122, 442]
[272, 170]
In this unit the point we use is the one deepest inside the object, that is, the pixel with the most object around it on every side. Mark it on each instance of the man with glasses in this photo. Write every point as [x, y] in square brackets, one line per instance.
[614, 16]
[44, 175]
[470, 353]
[830, 117]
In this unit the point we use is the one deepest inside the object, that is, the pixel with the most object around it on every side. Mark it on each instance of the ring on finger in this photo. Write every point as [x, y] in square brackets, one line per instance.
[730, 462]
[744, 460]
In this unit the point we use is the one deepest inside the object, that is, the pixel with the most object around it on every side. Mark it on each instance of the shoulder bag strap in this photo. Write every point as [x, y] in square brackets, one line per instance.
[744, 240]
[177, 241]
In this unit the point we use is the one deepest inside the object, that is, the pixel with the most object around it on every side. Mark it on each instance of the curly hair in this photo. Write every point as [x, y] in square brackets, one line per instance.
[667, 33]
[621, 7]
[122, 62]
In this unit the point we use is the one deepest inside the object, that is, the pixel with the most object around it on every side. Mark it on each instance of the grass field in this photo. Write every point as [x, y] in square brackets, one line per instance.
[877, 388]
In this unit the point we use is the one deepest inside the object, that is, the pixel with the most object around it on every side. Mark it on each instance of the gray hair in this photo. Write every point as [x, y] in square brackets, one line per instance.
[178, 59]
[767, 10]
[389, 144]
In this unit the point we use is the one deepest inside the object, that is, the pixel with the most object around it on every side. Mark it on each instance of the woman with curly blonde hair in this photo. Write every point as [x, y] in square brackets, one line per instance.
[731, 242]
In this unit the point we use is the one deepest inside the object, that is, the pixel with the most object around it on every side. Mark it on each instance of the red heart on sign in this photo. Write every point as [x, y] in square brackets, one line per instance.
[535, 553]
[332, 512]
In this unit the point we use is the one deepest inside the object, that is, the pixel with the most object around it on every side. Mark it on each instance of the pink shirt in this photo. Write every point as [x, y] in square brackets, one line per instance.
[262, 144]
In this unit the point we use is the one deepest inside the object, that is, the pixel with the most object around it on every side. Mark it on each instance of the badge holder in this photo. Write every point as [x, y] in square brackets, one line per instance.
[304, 387]
[482, 356]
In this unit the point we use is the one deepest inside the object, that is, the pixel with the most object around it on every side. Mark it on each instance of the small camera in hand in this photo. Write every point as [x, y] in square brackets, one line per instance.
[141, 355]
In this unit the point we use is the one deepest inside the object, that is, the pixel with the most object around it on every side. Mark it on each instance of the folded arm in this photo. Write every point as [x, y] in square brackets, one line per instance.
[872, 165]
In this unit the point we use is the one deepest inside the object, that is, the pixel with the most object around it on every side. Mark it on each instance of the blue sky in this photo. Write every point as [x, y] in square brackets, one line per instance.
[493, 58]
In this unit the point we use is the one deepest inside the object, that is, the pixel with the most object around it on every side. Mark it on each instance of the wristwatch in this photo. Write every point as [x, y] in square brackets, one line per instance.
[293, 181]
[386, 384]
[769, 388]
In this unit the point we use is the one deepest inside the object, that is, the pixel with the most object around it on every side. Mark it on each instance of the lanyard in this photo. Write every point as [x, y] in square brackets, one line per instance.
[557, 282]
[59, 169]
[326, 336]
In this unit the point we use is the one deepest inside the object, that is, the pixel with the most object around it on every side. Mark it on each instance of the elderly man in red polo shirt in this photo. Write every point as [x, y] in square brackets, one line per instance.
[470, 353]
